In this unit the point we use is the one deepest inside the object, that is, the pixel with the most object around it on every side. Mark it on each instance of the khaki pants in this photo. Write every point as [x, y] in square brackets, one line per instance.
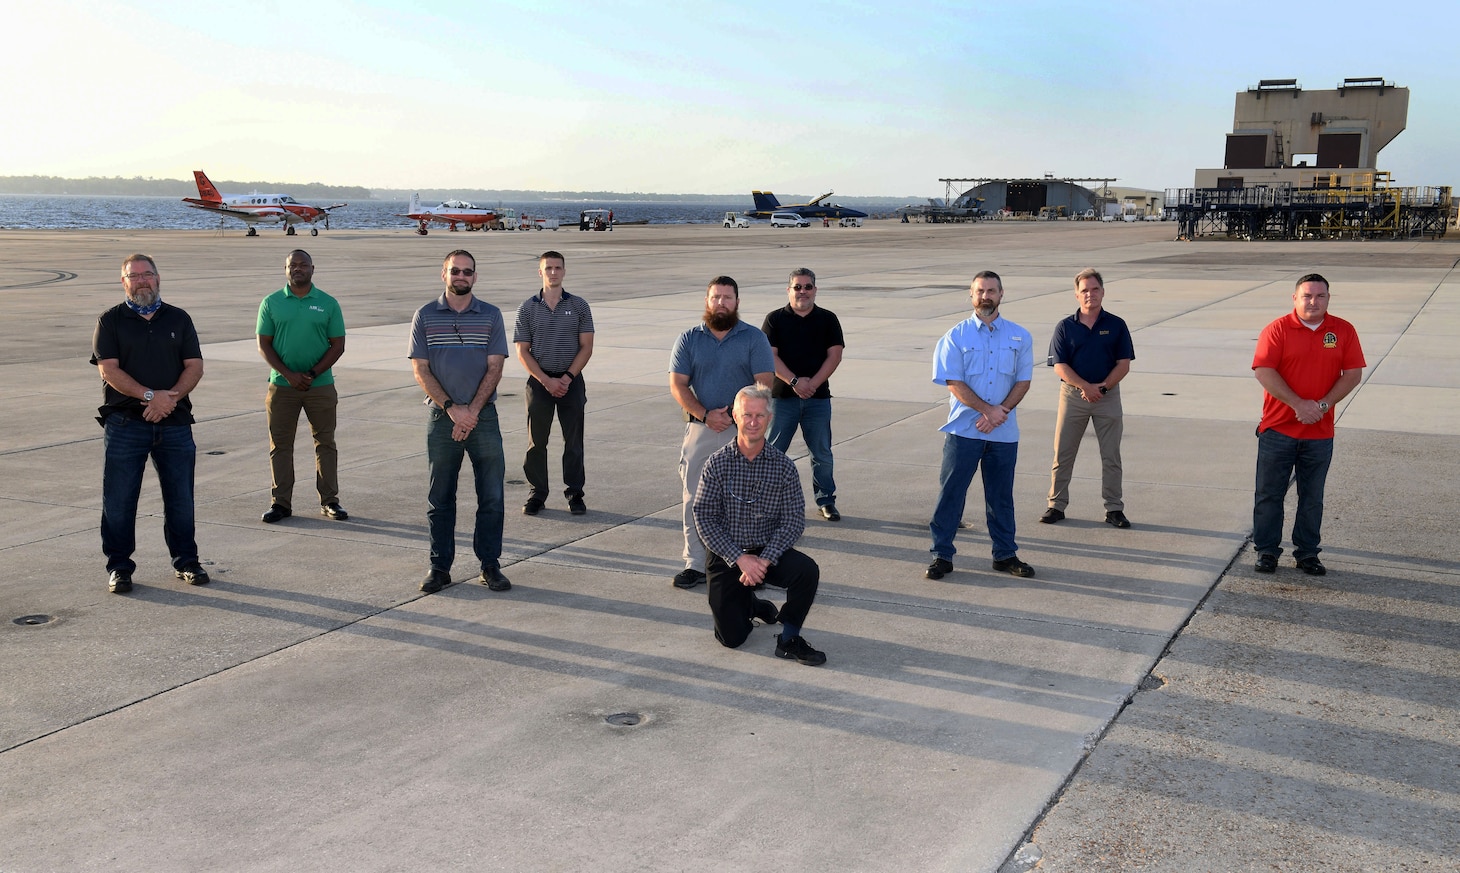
[1075, 413]
[699, 443]
[283, 405]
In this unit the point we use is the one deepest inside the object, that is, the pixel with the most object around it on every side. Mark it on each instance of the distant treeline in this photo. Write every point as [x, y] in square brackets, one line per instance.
[137, 186]
[116, 186]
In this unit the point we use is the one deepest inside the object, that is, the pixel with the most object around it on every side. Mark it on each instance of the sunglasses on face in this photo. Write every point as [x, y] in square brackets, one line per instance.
[463, 271]
[803, 287]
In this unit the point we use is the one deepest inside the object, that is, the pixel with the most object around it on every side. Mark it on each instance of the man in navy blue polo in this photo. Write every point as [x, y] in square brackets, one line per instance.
[710, 363]
[1091, 352]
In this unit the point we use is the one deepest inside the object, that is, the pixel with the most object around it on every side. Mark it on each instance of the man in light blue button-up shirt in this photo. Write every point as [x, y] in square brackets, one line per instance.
[987, 363]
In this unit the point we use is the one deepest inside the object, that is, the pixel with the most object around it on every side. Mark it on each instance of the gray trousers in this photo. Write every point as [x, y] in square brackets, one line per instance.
[699, 443]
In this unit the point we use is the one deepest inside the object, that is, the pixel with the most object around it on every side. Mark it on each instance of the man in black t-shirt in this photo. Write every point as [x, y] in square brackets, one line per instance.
[807, 342]
[150, 360]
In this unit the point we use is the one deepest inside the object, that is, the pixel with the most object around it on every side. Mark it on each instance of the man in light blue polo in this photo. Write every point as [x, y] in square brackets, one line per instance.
[710, 363]
[987, 363]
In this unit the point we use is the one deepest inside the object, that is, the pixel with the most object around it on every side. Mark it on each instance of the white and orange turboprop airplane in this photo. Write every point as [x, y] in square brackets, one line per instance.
[258, 208]
[452, 213]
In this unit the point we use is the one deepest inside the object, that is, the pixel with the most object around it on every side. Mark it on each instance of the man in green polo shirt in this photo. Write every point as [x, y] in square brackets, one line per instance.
[301, 334]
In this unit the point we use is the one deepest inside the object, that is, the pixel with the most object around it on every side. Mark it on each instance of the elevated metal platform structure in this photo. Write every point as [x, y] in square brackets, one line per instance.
[1325, 206]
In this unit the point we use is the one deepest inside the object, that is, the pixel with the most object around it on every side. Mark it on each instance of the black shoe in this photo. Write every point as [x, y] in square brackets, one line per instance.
[1014, 567]
[938, 569]
[193, 574]
[1052, 515]
[798, 648]
[533, 506]
[828, 512]
[493, 579]
[688, 578]
[1116, 518]
[1266, 563]
[435, 581]
[334, 512]
[1312, 566]
[577, 506]
[119, 582]
[767, 612]
[276, 513]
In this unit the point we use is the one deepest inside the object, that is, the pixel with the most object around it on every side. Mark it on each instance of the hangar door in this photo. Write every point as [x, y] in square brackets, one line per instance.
[1026, 196]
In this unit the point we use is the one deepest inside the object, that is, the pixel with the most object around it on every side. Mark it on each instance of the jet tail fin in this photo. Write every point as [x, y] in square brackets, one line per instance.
[206, 191]
[765, 201]
[415, 204]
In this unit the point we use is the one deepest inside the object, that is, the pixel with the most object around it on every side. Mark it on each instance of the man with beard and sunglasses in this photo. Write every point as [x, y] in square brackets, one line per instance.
[457, 349]
[710, 363]
[987, 364]
[150, 360]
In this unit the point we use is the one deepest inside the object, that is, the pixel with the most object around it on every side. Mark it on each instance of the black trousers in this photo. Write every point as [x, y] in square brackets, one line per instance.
[733, 604]
[569, 408]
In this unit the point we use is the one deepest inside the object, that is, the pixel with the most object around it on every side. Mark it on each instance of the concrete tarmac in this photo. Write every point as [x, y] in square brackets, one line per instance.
[1144, 701]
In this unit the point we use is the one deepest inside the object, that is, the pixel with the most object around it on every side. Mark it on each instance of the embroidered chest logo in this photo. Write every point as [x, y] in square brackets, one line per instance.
[1330, 340]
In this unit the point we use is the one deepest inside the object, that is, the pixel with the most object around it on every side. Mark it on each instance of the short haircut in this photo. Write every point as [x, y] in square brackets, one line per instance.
[138, 257]
[724, 280]
[1089, 273]
[306, 255]
[988, 274]
[1311, 277]
[550, 254]
[801, 271]
[463, 252]
[752, 392]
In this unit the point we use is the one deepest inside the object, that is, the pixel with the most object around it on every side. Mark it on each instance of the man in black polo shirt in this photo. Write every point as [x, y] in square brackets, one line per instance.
[554, 339]
[807, 343]
[1091, 352]
[150, 360]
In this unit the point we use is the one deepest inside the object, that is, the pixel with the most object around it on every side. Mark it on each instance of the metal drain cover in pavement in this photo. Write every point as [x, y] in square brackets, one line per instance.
[33, 620]
[624, 719]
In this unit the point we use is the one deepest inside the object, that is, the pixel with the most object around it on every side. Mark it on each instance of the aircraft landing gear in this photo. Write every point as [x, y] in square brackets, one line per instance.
[314, 231]
[289, 231]
[252, 231]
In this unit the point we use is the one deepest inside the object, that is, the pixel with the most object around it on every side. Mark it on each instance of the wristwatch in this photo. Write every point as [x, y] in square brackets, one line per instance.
[794, 380]
[1323, 406]
[147, 396]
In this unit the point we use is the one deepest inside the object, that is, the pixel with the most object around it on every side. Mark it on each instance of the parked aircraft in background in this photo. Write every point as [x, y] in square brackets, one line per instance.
[451, 213]
[258, 208]
[766, 203]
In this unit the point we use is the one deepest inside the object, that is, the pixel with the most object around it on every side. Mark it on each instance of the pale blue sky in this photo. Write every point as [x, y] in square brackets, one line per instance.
[800, 96]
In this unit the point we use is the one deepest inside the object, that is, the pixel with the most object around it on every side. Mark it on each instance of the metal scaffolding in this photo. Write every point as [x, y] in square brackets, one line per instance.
[1327, 206]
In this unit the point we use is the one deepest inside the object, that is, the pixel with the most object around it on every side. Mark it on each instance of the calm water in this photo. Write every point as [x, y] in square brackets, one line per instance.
[75, 211]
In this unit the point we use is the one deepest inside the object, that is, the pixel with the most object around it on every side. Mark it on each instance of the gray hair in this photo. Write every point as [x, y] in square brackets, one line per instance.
[801, 271]
[753, 392]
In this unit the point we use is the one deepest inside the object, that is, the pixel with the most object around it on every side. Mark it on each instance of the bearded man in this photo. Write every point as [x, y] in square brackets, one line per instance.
[710, 363]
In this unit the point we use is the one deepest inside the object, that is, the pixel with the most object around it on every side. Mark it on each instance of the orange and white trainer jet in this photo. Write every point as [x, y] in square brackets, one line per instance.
[258, 208]
[452, 213]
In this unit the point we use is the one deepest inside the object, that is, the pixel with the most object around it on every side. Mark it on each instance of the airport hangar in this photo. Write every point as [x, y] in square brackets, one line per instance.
[1047, 197]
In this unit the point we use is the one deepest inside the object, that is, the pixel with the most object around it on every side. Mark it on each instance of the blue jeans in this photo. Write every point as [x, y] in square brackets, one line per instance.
[128, 443]
[961, 459]
[1281, 458]
[814, 417]
[444, 455]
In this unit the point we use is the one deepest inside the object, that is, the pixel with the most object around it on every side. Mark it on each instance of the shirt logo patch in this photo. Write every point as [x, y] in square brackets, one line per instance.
[1330, 340]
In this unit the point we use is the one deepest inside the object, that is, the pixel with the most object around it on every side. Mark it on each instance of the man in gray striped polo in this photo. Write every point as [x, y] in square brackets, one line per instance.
[554, 339]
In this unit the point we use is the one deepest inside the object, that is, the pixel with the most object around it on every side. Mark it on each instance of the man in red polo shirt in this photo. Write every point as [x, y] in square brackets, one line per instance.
[1307, 361]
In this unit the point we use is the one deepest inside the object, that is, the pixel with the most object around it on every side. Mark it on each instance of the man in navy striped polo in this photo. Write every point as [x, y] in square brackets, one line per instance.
[554, 339]
[458, 347]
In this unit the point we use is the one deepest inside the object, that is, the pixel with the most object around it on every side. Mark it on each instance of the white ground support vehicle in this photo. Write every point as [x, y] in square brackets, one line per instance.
[789, 219]
[735, 219]
[850, 222]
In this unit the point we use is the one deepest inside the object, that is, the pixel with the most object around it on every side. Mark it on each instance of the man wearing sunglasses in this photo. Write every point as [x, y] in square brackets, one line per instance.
[457, 349]
[807, 343]
[750, 510]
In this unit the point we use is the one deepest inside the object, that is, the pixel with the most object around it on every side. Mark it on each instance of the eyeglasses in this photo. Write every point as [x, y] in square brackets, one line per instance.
[457, 328]
[467, 271]
[135, 276]
[803, 287]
